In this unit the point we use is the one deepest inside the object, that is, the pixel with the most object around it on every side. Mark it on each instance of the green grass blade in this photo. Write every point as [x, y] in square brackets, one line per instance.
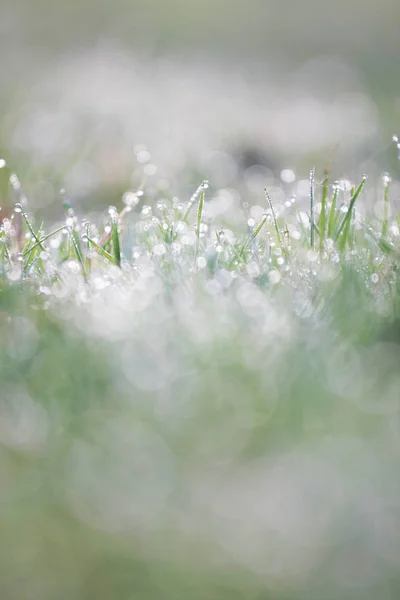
[348, 214]
[332, 213]
[199, 215]
[115, 235]
[78, 254]
[322, 218]
[253, 234]
[312, 222]
[386, 189]
[101, 251]
[43, 239]
[386, 247]
[202, 187]
[278, 234]
[18, 208]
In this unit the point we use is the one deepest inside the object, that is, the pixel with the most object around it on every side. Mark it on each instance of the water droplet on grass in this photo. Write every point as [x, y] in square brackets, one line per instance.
[130, 199]
[386, 179]
[112, 211]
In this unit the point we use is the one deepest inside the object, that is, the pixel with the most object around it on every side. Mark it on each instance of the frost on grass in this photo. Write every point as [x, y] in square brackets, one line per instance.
[194, 403]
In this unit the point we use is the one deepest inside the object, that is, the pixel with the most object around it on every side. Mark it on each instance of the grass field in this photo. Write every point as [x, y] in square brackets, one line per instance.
[200, 396]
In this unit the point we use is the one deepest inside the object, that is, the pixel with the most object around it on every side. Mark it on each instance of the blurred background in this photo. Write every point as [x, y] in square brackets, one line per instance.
[210, 88]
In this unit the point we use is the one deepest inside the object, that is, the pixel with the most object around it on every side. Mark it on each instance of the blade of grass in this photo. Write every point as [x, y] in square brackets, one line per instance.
[199, 215]
[386, 186]
[115, 235]
[384, 245]
[348, 214]
[332, 213]
[322, 217]
[312, 224]
[202, 187]
[253, 234]
[43, 239]
[19, 208]
[101, 251]
[78, 254]
[278, 235]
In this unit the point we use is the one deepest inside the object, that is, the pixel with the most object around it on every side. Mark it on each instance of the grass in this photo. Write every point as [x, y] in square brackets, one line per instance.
[202, 405]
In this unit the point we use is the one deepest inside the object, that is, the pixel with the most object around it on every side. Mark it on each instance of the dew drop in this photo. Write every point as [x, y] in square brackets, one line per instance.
[112, 211]
[131, 198]
[386, 179]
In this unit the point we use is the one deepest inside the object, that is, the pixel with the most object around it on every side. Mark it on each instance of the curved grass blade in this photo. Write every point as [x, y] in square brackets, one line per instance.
[347, 216]
[253, 234]
[78, 254]
[101, 251]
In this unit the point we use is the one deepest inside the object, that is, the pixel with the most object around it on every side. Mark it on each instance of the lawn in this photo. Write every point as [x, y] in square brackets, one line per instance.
[200, 396]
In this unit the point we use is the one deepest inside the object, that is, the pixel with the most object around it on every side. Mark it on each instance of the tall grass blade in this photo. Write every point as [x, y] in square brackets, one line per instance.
[322, 217]
[43, 239]
[115, 235]
[386, 189]
[332, 213]
[199, 216]
[347, 217]
[278, 234]
[312, 222]
[78, 254]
